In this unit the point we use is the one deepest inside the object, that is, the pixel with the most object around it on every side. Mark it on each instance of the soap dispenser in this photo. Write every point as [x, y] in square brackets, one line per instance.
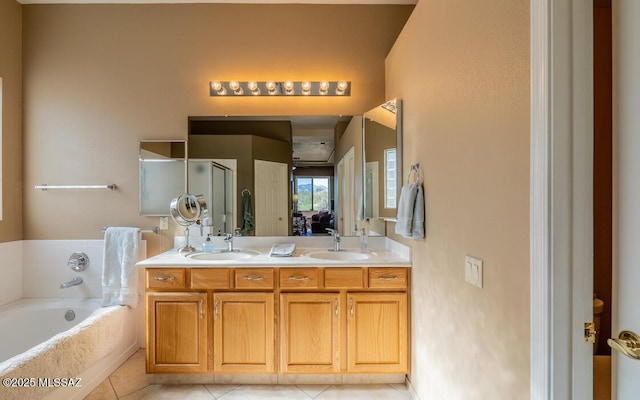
[207, 246]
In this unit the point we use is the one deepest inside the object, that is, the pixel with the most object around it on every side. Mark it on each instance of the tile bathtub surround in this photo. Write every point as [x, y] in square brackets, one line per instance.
[44, 267]
[129, 382]
[11, 270]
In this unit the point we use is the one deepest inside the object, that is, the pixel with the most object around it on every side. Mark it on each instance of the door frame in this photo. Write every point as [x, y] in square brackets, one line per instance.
[561, 220]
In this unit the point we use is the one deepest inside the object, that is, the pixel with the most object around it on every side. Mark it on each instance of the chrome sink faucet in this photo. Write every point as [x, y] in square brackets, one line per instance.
[336, 239]
[228, 239]
[73, 282]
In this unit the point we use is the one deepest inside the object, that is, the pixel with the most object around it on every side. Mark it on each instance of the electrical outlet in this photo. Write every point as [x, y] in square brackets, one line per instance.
[473, 271]
[164, 223]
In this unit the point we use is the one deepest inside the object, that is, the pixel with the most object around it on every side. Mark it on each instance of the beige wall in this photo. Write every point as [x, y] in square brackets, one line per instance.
[462, 70]
[11, 73]
[99, 78]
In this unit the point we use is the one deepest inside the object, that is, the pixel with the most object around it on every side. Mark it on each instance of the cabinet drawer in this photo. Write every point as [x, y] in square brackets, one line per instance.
[210, 278]
[344, 278]
[382, 278]
[299, 278]
[165, 278]
[254, 278]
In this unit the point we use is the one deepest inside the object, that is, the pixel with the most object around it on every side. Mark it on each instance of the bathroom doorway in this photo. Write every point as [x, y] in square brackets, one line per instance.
[602, 196]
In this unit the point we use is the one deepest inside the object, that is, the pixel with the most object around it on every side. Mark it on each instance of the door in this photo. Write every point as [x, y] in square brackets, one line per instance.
[346, 194]
[310, 332]
[176, 332]
[271, 198]
[243, 332]
[626, 191]
[377, 332]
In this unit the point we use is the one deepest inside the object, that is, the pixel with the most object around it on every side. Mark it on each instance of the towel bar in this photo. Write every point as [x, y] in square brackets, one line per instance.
[44, 186]
[155, 230]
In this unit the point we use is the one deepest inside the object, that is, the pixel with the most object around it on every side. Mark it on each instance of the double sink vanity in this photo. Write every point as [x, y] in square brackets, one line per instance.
[317, 313]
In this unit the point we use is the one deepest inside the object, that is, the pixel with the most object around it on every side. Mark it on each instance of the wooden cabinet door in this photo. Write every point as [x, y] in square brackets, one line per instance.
[310, 332]
[243, 332]
[176, 332]
[377, 332]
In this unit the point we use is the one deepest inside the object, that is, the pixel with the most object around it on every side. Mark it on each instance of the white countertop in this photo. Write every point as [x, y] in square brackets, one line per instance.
[382, 252]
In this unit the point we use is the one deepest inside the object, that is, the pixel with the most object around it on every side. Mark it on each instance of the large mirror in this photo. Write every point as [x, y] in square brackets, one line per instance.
[162, 175]
[382, 161]
[283, 170]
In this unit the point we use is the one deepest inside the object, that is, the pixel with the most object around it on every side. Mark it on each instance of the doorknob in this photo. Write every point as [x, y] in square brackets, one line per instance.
[628, 343]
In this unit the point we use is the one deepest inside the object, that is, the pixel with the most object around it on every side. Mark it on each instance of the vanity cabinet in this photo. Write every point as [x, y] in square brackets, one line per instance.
[361, 326]
[377, 332]
[289, 320]
[310, 332]
[176, 332]
[243, 330]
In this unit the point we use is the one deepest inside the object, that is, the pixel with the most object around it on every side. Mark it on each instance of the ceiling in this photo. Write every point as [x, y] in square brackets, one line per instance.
[313, 139]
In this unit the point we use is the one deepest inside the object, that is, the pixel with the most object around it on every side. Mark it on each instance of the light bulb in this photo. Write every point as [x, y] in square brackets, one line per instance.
[271, 87]
[341, 87]
[288, 87]
[306, 86]
[216, 85]
[253, 86]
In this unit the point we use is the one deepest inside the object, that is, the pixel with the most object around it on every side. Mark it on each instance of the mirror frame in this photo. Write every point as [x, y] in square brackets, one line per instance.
[399, 158]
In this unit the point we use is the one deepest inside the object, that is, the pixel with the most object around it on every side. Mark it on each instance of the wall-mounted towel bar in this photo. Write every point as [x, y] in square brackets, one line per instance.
[155, 230]
[44, 186]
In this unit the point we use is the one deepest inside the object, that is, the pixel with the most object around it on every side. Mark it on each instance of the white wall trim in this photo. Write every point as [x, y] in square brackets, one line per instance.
[561, 199]
[540, 199]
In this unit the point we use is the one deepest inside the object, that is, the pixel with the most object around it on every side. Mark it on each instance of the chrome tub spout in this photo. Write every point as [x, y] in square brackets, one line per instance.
[73, 282]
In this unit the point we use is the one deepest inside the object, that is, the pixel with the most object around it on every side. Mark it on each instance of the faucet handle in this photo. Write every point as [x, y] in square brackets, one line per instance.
[228, 237]
[334, 233]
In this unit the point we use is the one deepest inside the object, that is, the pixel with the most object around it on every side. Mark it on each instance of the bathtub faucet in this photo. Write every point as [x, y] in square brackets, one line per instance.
[73, 282]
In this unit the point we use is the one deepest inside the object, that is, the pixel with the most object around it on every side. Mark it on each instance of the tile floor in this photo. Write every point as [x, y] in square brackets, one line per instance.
[129, 382]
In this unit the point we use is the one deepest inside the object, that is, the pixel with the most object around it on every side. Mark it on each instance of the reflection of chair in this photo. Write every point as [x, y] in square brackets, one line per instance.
[321, 221]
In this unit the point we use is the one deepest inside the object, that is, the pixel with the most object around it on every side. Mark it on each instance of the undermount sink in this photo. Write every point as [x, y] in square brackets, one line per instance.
[345, 255]
[224, 255]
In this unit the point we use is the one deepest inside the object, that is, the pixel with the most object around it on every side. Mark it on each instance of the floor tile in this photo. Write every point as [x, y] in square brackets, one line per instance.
[103, 391]
[171, 392]
[130, 376]
[220, 390]
[266, 392]
[362, 392]
[313, 390]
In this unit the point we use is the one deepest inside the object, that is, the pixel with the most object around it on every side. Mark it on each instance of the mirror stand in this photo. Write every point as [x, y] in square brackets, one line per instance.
[187, 248]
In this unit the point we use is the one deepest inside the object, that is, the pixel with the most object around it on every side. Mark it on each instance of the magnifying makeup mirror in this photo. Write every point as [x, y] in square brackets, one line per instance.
[186, 210]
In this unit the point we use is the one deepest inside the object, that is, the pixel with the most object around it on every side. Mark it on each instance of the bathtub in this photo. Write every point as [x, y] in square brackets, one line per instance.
[44, 356]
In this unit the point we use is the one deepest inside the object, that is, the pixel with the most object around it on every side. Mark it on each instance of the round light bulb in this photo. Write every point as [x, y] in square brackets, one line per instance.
[234, 85]
[216, 85]
[324, 86]
[288, 86]
[342, 85]
[253, 85]
[271, 85]
[306, 86]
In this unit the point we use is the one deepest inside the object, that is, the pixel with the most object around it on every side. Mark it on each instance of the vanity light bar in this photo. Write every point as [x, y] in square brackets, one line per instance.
[280, 88]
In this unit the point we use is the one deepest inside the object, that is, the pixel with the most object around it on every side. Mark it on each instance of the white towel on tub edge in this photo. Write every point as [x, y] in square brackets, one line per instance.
[119, 277]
